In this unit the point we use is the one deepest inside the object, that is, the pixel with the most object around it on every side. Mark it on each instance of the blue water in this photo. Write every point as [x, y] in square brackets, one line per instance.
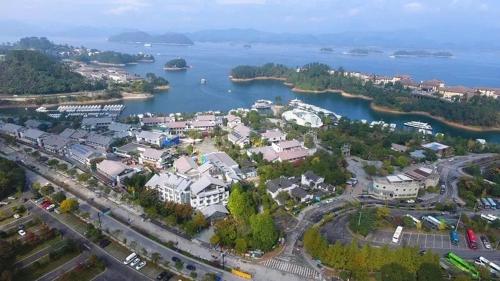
[213, 61]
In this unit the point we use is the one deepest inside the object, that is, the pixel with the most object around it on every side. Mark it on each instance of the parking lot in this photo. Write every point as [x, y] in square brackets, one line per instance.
[438, 240]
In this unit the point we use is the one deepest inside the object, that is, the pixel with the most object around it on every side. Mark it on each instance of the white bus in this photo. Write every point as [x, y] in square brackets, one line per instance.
[129, 258]
[494, 268]
[397, 234]
[489, 217]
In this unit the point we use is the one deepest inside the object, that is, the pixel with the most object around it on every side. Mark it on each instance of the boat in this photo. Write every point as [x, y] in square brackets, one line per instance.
[147, 45]
[229, 91]
[418, 125]
[203, 81]
[262, 104]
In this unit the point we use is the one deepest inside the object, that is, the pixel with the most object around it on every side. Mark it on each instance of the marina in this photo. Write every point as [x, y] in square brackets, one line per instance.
[111, 110]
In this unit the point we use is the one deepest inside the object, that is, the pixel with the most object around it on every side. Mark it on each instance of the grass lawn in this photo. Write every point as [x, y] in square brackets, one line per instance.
[33, 272]
[73, 221]
[40, 247]
[85, 274]
[121, 253]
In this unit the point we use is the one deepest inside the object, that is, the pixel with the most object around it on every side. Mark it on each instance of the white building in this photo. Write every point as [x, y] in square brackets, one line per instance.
[240, 135]
[200, 193]
[404, 185]
[302, 118]
[155, 157]
[149, 137]
[84, 154]
[113, 172]
[33, 136]
[275, 135]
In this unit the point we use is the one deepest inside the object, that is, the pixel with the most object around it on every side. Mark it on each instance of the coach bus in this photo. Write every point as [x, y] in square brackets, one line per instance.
[492, 203]
[493, 267]
[397, 234]
[462, 265]
[471, 239]
[486, 203]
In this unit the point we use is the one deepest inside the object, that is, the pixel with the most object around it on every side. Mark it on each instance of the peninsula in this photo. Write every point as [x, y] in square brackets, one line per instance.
[472, 110]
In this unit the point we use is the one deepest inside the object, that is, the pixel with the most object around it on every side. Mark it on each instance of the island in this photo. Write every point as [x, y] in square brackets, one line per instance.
[87, 55]
[47, 73]
[362, 52]
[326, 50]
[475, 113]
[422, 53]
[143, 37]
[177, 64]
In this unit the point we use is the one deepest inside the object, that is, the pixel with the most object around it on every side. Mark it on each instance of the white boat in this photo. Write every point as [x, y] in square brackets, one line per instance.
[418, 125]
[262, 104]
[147, 45]
[203, 81]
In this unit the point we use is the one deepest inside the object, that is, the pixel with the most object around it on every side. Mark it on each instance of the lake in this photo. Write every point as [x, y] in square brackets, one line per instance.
[213, 61]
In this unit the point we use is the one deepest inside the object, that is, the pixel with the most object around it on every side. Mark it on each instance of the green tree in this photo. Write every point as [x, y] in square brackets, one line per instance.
[240, 203]
[241, 245]
[429, 272]
[58, 196]
[69, 205]
[396, 272]
[264, 232]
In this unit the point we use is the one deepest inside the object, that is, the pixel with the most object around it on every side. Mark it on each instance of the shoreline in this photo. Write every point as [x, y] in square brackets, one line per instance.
[258, 78]
[440, 119]
[124, 97]
[374, 106]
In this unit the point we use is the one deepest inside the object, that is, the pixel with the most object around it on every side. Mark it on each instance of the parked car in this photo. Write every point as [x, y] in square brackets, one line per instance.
[162, 275]
[104, 243]
[21, 232]
[486, 242]
[140, 265]
[135, 262]
[191, 267]
[176, 259]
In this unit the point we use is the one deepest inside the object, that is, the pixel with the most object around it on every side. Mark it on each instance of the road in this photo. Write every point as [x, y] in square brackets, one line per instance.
[114, 267]
[124, 213]
[308, 216]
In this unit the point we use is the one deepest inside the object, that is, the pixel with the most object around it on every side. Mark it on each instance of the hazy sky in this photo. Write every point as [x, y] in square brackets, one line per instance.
[315, 16]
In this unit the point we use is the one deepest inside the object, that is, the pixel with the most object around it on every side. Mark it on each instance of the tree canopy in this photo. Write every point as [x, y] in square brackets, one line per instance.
[26, 72]
[11, 178]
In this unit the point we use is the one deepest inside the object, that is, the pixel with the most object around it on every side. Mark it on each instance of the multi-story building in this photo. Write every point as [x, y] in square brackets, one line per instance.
[113, 172]
[33, 136]
[158, 158]
[275, 135]
[171, 187]
[83, 154]
[149, 137]
[56, 144]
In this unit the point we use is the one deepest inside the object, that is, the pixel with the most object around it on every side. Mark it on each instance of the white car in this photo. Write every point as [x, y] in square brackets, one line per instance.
[21, 232]
[135, 262]
[141, 265]
[410, 201]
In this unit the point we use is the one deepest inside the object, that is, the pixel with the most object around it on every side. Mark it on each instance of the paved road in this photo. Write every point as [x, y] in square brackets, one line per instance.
[114, 267]
[123, 212]
[54, 274]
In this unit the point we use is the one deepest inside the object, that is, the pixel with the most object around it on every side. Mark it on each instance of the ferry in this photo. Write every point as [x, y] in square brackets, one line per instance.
[418, 125]
[262, 104]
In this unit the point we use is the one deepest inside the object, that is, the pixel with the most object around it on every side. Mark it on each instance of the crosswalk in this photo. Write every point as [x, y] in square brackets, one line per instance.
[292, 268]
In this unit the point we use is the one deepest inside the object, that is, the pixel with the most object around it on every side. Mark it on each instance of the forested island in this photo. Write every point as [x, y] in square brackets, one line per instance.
[363, 52]
[176, 65]
[478, 111]
[143, 37]
[421, 53]
[83, 54]
[24, 72]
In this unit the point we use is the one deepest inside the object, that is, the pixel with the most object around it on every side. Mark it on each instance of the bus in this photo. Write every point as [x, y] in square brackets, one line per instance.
[454, 237]
[462, 265]
[494, 268]
[434, 223]
[241, 274]
[397, 234]
[492, 203]
[471, 239]
[486, 203]
[489, 217]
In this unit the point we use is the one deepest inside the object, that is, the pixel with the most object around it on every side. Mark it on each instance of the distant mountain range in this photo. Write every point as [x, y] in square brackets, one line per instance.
[143, 37]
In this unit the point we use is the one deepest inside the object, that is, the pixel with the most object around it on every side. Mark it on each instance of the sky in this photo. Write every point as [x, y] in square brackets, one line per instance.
[294, 16]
